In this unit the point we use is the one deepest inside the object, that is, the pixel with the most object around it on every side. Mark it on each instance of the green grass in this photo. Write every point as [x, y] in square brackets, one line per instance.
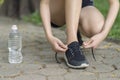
[102, 5]
[34, 18]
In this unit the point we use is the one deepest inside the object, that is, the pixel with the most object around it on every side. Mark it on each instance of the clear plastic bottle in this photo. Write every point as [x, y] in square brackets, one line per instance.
[15, 46]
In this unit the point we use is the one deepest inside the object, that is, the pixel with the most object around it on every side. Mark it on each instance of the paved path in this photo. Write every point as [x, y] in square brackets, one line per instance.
[39, 62]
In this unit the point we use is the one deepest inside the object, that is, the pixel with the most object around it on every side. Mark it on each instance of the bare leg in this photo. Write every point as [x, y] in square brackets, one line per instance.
[72, 13]
[89, 24]
[92, 23]
[57, 11]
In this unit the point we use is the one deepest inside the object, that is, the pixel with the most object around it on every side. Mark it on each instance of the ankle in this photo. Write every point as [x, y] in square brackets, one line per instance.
[70, 41]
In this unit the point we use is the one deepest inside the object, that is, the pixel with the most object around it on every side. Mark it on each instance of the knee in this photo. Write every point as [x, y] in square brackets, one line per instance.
[94, 28]
[97, 27]
[92, 24]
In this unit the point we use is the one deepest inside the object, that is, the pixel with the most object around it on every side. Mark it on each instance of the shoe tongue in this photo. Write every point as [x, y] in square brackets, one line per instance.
[74, 46]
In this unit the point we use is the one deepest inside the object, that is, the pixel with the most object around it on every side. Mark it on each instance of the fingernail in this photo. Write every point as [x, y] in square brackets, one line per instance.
[85, 44]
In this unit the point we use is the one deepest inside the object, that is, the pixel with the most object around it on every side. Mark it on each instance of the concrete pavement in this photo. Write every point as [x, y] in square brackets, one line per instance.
[39, 62]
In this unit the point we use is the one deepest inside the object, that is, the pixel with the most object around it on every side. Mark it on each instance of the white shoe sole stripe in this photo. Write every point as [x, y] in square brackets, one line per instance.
[84, 65]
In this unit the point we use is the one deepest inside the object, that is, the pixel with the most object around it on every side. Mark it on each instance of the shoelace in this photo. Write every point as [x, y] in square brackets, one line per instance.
[56, 56]
[93, 54]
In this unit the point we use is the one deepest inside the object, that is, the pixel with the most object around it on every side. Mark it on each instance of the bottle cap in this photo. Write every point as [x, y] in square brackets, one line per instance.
[14, 27]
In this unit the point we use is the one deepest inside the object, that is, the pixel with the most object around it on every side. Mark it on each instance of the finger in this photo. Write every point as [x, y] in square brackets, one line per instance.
[88, 46]
[62, 49]
[59, 49]
[88, 42]
[62, 45]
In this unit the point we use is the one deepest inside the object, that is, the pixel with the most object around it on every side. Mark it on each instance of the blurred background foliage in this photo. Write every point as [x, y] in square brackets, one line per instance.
[28, 10]
[103, 6]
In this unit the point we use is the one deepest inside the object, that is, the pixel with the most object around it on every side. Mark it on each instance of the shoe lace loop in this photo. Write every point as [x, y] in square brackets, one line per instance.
[56, 56]
[93, 54]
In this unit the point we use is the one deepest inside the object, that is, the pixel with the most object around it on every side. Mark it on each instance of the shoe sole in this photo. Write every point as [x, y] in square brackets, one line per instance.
[82, 66]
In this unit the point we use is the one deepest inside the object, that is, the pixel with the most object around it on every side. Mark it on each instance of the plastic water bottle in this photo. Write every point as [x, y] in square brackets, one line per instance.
[15, 46]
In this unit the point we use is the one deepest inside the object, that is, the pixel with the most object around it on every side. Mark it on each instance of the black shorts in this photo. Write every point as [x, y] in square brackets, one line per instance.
[84, 4]
[87, 3]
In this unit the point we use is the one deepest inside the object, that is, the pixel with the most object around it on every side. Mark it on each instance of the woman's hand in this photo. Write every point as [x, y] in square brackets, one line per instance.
[57, 45]
[94, 41]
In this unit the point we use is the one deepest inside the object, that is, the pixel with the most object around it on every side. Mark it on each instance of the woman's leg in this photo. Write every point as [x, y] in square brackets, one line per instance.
[57, 11]
[73, 56]
[72, 14]
[69, 10]
[91, 21]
